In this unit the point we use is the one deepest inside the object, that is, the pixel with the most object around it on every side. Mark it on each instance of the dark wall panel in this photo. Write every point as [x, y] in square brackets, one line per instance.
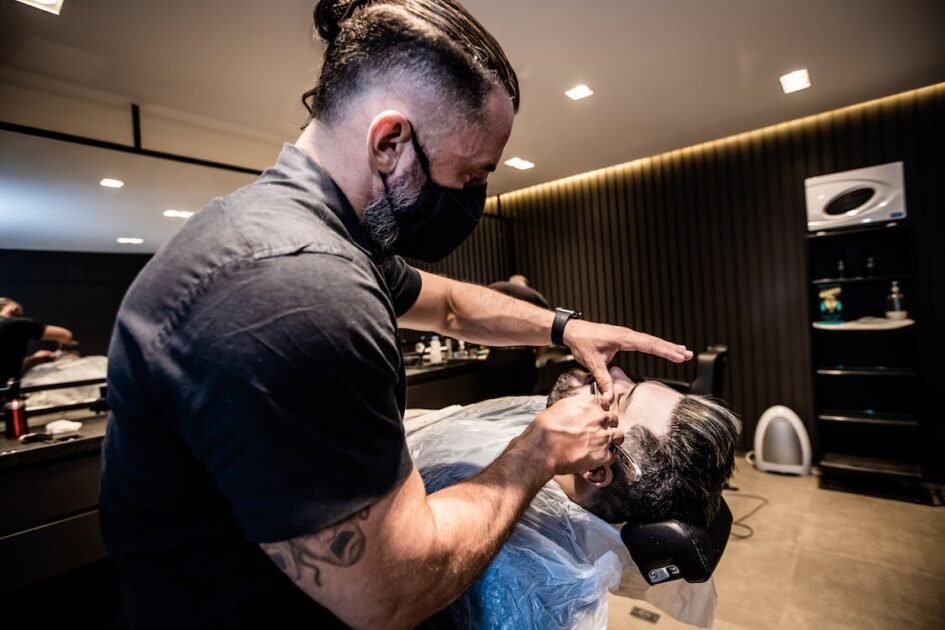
[707, 244]
[79, 291]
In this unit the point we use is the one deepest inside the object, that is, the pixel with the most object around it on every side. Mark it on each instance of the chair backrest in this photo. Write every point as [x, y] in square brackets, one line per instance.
[670, 550]
[710, 372]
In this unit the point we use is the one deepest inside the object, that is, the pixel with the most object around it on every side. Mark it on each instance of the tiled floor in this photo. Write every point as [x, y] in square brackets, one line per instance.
[822, 560]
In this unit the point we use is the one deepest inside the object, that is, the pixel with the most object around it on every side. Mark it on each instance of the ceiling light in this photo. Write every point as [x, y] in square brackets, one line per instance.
[129, 240]
[50, 6]
[794, 81]
[578, 92]
[519, 163]
[178, 214]
[108, 182]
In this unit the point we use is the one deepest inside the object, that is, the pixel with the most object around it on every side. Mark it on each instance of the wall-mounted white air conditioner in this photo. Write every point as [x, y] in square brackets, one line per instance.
[862, 196]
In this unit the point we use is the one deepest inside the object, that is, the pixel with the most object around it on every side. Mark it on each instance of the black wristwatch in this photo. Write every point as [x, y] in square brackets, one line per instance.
[562, 317]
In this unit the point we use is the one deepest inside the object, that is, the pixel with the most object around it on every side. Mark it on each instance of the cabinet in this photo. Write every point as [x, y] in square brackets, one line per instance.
[866, 385]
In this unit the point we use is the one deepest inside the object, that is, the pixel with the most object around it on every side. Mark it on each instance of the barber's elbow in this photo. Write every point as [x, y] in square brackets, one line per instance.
[379, 614]
[406, 603]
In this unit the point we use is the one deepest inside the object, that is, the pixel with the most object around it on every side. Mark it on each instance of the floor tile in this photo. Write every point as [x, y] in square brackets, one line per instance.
[752, 581]
[899, 535]
[834, 591]
[619, 617]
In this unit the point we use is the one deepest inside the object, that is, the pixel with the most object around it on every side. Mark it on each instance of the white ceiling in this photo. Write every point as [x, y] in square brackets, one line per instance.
[667, 73]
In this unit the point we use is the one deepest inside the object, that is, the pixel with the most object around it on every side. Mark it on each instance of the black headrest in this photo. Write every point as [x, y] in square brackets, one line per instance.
[670, 550]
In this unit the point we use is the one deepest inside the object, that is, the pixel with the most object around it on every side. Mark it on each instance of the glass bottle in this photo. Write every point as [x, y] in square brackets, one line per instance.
[896, 303]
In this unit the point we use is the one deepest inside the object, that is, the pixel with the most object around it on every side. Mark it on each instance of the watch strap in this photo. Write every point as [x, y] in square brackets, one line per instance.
[562, 317]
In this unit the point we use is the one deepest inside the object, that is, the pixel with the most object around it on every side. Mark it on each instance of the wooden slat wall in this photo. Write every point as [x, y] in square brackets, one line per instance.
[706, 244]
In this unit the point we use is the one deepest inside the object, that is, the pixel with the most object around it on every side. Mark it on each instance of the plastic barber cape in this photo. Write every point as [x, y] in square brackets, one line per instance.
[560, 561]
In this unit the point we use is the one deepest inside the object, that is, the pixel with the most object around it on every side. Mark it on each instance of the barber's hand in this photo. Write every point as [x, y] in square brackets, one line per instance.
[40, 356]
[575, 434]
[594, 346]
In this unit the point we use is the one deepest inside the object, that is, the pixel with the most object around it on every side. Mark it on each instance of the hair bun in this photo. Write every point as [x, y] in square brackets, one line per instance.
[329, 15]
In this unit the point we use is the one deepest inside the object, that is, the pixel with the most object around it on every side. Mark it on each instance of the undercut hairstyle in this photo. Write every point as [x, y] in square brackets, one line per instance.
[435, 48]
[684, 470]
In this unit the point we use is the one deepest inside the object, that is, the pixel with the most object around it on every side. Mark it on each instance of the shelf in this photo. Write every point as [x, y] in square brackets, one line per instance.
[865, 371]
[894, 226]
[857, 279]
[870, 465]
[873, 324]
[903, 420]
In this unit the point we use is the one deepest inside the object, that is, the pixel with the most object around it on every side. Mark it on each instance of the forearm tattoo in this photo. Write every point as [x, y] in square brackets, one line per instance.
[341, 545]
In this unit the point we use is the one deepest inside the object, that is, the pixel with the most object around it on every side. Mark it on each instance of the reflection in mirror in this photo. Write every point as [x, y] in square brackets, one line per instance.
[51, 196]
[77, 224]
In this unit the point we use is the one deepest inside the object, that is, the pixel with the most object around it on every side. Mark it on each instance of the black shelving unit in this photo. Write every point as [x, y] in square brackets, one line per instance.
[866, 384]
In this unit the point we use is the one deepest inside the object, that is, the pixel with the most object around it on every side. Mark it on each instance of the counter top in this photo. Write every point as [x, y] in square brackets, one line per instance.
[453, 367]
[13, 454]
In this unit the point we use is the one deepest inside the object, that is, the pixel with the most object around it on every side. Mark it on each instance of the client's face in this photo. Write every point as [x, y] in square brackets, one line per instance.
[649, 403]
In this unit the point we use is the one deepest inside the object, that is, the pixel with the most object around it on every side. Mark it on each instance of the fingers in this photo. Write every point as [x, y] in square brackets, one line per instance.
[610, 421]
[616, 437]
[605, 383]
[649, 344]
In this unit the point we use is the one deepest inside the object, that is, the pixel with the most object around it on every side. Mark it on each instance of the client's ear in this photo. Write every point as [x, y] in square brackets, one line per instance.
[598, 477]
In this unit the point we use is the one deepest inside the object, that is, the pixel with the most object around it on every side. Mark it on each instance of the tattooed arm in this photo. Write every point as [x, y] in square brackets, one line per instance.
[409, 555]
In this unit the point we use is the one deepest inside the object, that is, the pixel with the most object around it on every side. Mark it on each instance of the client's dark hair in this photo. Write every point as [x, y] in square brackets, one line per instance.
[683, 471]
[434, 44]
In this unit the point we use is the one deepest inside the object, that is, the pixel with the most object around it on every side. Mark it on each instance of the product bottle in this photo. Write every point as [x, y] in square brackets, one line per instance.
[15, 412]
[896, 303]
[436, 350]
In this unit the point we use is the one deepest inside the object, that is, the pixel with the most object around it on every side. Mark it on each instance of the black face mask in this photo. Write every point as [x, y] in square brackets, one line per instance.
[440, 219]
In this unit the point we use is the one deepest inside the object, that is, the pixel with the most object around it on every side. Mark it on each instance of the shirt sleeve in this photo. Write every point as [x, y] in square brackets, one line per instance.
[30, 328]
[403, 282]
[291, 403]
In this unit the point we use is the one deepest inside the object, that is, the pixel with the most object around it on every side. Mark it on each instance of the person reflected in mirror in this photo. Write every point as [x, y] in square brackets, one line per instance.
[69, 367]
[16, 332]
[517, 286]
[513, 370]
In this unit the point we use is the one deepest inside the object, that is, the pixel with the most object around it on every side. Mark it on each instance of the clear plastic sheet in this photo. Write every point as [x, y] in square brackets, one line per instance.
[64, 371]
[560, 561]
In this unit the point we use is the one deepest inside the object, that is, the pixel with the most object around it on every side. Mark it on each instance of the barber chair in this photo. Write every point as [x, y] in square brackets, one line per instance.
[710, 374]
[671, 550]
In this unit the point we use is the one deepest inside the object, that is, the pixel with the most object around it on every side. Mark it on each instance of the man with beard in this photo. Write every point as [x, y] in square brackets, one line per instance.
[255, 471]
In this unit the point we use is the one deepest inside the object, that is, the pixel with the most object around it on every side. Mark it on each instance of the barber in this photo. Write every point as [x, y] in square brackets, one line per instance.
[16, 332]
[255, 471]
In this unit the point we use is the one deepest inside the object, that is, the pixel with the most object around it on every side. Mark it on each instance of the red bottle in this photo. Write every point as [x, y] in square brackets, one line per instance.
[15, 418]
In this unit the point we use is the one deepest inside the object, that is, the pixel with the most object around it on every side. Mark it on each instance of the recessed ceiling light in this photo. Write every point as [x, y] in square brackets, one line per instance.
[129, 240]
[578, 92]
[108, 182]
[50, 6]
[795, 81]
[178, 214]
[519, 163]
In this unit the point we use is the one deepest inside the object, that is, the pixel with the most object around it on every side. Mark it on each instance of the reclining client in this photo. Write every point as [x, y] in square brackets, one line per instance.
[554, 571]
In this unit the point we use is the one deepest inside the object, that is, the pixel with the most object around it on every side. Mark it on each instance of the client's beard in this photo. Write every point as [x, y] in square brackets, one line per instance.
[379, 219]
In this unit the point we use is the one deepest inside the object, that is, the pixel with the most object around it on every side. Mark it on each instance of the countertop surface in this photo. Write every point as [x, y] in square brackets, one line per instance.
[14, 454]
